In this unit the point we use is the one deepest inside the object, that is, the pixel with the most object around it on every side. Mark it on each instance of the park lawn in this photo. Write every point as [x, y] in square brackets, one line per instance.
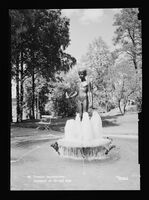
[31, 157]
[112, 122]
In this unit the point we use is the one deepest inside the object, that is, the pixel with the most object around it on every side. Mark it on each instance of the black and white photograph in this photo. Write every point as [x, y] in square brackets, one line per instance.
[76, 98]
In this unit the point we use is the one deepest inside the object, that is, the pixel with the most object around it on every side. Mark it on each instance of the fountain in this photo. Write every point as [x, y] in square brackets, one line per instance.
[84, 139]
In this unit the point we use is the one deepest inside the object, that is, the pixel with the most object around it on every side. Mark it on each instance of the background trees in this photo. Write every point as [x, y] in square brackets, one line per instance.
[98, 60]
[128, 35]
[117, 76]
[39, 63]
[124, 82]
[38, 40]
[58, 103]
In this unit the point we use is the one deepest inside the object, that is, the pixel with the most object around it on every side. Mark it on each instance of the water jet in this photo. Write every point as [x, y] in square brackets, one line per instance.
[84, 139]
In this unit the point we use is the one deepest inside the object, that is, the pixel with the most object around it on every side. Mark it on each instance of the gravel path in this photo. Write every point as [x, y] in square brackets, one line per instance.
[36, 166]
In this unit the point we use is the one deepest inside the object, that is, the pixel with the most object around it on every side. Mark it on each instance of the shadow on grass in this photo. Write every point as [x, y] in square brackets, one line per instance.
[106, 122]
[111, 117]
[59, 124]
[110, 120]
[26, 124]
[30, 143]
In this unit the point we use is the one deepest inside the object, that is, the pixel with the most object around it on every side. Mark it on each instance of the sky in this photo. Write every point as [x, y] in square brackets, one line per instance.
[88, 24]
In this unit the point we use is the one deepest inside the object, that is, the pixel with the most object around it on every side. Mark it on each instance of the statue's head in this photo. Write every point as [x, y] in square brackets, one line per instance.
[82, 73]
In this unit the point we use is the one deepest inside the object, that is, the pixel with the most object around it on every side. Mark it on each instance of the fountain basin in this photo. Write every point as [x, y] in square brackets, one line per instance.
[84, 139]
[90, 150]
[87, 143]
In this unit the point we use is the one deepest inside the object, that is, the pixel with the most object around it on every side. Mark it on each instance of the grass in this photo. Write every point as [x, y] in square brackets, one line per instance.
[35, 157]
[112, 122]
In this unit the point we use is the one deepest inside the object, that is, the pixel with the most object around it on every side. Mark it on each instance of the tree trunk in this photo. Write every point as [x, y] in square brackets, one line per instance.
[21, 88]
[33, 85]
[107, 103]
[135, 63]
[119, 105]
[124, 109]
[33, 93]
[92, 95]
[107, 106]
[17, 89]
[37, 107]
[11, 120]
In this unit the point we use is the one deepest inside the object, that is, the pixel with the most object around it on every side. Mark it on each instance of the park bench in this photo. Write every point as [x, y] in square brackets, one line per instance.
[45, 122]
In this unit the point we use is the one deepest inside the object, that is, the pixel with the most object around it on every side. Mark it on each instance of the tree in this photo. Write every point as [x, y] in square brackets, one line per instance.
[39, 38]
[128, 34]
[98, 60]
[124, 82]
[58, 103]
[17, 29]
[41, 92]
[51, 32]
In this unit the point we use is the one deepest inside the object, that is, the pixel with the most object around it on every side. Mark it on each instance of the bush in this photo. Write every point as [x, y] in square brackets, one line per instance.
[64, 107]
[139, 104]
[59, 105]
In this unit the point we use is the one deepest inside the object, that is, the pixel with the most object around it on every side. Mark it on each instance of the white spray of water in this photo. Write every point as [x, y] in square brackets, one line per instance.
[77, 127]
[69, 129]
[84, 139]
[84, 131]
[96, 124]
[87, 133]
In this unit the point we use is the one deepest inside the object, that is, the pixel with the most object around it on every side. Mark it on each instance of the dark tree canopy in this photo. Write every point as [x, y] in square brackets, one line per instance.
[38, 40]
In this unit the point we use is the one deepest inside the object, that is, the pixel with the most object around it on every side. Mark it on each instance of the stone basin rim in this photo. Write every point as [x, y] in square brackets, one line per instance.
[77, 144]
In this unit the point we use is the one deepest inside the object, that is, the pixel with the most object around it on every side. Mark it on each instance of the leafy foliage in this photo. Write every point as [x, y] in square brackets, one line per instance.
[98, 60]
[40, 36]
[128, 34]
[58, 104]
[124, 81]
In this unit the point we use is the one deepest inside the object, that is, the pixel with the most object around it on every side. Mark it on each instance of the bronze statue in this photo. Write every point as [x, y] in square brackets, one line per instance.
[84, 93]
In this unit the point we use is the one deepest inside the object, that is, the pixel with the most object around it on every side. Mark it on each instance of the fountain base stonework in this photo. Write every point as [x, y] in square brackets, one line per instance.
[89, 152]
[84, 139]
